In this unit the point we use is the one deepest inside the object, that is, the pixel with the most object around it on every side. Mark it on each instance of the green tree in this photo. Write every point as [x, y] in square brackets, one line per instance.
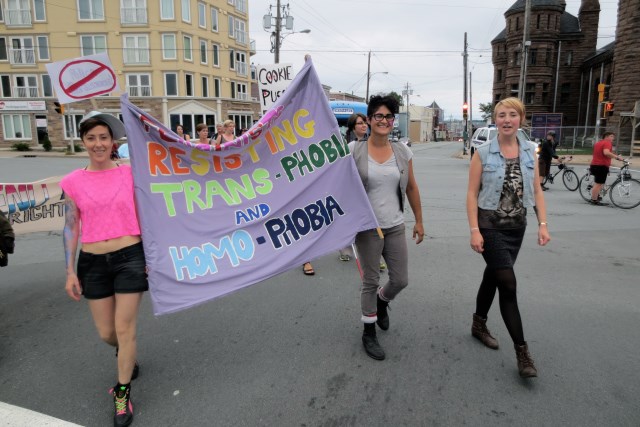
[486, 110]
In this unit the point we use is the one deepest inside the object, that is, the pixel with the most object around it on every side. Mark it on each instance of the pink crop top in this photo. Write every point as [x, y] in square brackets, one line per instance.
[105, 202]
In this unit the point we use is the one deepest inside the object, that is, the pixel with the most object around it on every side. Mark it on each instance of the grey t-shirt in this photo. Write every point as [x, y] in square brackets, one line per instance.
[384, 180]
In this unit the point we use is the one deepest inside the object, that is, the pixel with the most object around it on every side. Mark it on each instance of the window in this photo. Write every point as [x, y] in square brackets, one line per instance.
[517, 23]
[5, 86]
[240, 31]
[171, 84]
[241, 63]
[18, 13]
[232, 59]
[538, 22]
[139, 84]
[214, 19]
[205, 86]
[516, 57]
[242, 121]
[569, 58]
[202, 15]
[514, 90]
[40, 14]
[188, 82]
[26, 86]
[90, 45]
[232, 28]
[186, 10]
[90, 10]
[203, 52]
[565, 93]
[216, 88]
[241, 6]
[43, 48]
[1, 13]
[22, 51]
[166, 10]
[71, 129]
[16, 126]
[169, 49]
[530, 93]
[136, 49]
[215, 58]
[188, 53]
[4, 56]
[239, 91]
[532, 56]
[499, 74]
[47, 89]
[545, 93]
[133, 12]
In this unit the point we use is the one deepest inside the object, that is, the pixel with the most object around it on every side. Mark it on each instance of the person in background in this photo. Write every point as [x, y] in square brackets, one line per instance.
[7, 239]
[219, 130]
[386, 171]
[228, 133]
[547, 152]
[503, 183]
[600, 163]
[181, 134]
[100, 213]
[202, 130]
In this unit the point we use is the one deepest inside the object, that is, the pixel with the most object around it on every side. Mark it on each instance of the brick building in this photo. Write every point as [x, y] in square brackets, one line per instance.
[560, 44]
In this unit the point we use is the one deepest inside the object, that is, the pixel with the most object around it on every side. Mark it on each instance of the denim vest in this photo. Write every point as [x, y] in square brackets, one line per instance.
[493, 168]
[360, 152]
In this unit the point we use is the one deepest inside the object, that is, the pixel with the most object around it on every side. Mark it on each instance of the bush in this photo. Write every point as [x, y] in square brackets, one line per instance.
[76, 148]
[21, 146]
[46, 143]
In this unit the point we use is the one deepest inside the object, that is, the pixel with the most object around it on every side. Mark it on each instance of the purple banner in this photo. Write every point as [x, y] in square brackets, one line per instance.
[215, 221]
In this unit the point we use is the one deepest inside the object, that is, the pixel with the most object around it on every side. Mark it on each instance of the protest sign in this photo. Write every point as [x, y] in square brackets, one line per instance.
[82, 78]
[217, 219]
[33, 206]
[273, 80]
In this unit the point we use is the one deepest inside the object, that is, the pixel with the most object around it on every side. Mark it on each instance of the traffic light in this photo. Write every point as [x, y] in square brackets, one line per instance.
[601, 88]
[59, 107]
[608, 108]
[465, 111]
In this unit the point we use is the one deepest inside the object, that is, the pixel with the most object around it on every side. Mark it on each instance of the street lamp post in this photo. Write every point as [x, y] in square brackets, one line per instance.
[276, 41]
[268, 21]
[369, 78]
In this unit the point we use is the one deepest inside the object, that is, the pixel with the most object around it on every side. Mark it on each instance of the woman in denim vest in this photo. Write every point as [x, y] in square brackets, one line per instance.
[503, 183]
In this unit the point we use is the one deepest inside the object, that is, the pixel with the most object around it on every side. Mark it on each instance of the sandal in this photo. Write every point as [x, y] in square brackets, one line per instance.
[308, 271]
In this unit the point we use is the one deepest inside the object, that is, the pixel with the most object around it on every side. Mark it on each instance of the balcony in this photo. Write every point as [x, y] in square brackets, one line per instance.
[133, 15]
[252, 48]
[22, 56]
[242, 96]
[241, 37]
[18, 17]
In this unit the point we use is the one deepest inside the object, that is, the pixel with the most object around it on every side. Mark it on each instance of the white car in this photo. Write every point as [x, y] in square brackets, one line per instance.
[484, 134]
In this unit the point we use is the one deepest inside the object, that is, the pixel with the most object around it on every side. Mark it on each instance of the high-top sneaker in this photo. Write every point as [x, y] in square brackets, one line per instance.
[480, 331]
[370, 342]
[123, 405]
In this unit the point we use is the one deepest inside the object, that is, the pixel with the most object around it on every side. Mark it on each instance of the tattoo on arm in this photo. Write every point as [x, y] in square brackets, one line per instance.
[70, 233]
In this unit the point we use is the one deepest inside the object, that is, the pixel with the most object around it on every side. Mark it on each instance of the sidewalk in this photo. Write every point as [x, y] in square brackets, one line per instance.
[39, 152]
[580, 160]
[19, 417]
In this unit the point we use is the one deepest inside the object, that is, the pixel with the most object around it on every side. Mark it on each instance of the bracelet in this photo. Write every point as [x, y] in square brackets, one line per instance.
[542, 223]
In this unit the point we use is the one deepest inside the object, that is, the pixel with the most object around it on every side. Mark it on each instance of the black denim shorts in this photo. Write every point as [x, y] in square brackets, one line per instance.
[119, 272]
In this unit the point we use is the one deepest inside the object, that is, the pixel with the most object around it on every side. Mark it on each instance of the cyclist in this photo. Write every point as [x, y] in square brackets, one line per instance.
[600, 163]
[547, 152]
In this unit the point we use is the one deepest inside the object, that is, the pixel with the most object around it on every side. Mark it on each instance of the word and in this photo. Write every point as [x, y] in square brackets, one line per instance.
[252, 214]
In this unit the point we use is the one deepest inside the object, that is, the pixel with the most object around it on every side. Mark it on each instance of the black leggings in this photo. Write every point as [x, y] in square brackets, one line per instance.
[504, 280]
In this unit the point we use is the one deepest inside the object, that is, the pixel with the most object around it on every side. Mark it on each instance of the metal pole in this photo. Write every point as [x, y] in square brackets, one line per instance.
[366, 98]
[465, 133]
[277, 38]
[470, 130]
[599, 109]
[555, 90]
[523, 51]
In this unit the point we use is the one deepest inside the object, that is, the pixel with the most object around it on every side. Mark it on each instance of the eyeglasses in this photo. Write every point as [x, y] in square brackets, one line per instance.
[378, 117]
[360, 123]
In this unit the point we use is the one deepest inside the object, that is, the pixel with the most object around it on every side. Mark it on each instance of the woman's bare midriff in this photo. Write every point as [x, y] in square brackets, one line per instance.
[111, 245]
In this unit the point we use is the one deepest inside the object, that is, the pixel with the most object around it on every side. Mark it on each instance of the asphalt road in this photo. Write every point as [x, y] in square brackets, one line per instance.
[287, 352]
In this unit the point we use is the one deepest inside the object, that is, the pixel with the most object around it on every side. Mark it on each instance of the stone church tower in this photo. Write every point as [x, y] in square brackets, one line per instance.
[625, 87]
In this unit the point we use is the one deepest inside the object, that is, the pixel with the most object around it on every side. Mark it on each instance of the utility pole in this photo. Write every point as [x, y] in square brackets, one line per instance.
[465, 132]
[277, 38]
[470, 130]
[282, 17]
[408, 91]
[524, 52]
[366, 98]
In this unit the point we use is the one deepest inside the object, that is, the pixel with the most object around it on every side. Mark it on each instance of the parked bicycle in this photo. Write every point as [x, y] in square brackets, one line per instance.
[569, 177]
[624, 192]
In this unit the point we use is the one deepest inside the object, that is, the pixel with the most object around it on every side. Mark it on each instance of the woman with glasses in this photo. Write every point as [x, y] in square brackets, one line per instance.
[386, 170]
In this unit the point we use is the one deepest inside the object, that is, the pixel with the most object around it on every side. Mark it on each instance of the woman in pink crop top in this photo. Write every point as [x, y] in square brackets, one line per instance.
[111, 268]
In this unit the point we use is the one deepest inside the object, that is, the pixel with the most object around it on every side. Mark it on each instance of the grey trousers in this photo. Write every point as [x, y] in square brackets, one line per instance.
[393, 249]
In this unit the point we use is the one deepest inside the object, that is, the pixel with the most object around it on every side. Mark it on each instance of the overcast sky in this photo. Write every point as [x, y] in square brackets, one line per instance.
[418, 42]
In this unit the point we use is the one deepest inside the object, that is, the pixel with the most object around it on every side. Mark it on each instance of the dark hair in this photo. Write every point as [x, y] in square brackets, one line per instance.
[351, 124]
[606, 134]
[89, 124]
[200, 126]
[377, 101]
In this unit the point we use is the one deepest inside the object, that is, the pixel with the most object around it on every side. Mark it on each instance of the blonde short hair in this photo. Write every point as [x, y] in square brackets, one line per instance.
[514, 103]
[228, 123]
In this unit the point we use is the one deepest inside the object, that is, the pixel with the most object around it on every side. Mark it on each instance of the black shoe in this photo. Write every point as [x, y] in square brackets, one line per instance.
[372, 347]
[544, 188]
[383, 315]
[598, 203]
[123, 406]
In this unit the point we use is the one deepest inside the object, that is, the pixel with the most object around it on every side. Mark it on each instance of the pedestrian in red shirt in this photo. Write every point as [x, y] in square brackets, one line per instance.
[602, 155]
